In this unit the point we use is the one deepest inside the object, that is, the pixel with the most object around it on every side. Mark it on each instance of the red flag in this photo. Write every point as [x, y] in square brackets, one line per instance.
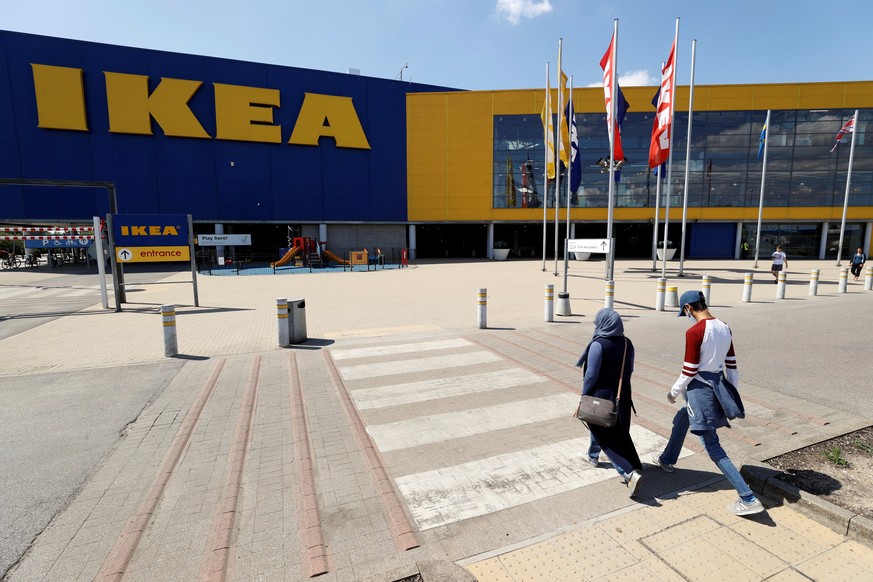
[849, 127]
[662, 131]
[607, 63]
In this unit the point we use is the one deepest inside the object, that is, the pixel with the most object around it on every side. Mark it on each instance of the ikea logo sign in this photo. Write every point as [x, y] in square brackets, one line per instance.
[150, 230]
[241, 113]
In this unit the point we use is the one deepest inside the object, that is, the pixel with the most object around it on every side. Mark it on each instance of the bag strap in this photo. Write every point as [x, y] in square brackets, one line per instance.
[621, 374]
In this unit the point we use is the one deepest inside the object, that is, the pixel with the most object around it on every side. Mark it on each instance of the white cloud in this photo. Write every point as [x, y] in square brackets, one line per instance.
[640, 78]
[516, 10]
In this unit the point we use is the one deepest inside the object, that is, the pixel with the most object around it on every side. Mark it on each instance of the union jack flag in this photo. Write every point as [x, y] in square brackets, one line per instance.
[849, 127]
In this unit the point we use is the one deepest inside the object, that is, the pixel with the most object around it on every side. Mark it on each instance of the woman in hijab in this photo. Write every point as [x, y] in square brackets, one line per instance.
[602, 364]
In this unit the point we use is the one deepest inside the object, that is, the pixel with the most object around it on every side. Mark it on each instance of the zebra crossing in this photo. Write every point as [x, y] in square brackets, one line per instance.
[38, 293]
[452, 399]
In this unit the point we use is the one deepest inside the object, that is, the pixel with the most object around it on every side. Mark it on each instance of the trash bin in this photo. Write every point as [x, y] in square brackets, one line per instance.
[297, 320]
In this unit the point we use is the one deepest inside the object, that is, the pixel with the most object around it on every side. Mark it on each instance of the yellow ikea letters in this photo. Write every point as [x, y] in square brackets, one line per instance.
[241, 113]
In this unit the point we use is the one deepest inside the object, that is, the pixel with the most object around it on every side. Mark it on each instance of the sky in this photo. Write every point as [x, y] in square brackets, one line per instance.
[485, 44]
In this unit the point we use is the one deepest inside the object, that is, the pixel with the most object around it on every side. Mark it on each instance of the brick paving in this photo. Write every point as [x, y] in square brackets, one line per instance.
[388, 355]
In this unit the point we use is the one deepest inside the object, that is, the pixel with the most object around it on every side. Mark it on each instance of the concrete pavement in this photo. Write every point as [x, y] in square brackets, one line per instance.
[400, 439]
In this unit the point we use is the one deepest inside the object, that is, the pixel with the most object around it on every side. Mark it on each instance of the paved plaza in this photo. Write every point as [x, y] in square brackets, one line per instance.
[401, 439]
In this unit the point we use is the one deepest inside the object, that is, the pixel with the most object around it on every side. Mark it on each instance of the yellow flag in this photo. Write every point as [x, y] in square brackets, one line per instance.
[549, 133]
[564, 144]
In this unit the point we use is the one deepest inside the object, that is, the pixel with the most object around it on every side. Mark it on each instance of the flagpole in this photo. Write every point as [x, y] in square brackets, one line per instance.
[657, 208]
[848, 185]
[569, 170]
[546, 164]
[687, 160]
[610, 259]
[670, 155]
[761, 197]
[558, 143]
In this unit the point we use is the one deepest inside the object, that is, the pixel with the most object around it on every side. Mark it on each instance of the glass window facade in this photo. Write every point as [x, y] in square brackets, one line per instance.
[724, 167]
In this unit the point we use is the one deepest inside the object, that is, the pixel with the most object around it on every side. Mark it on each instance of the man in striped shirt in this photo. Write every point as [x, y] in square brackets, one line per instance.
[710, 365]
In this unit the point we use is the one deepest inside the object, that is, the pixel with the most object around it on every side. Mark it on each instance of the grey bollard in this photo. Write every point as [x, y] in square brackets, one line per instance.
[563, 307]
[609, 294]
[482, 313]
[813, 282]
[672, 296]
[844, 280]
[297, 321]
[707, 286]
[780, 285]
[549, 306]
[659, 296]
[168, 317]
[747, 287]
[868, 279]
[282, 322]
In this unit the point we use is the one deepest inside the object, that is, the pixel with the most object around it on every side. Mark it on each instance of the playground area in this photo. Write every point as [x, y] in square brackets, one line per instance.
[306, 255]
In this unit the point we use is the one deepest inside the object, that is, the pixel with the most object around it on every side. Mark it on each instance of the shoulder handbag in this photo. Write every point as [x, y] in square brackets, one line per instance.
[602, 411]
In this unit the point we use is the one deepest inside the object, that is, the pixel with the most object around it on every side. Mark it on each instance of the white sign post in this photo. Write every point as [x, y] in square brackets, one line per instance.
[233, 240]
[589, 245]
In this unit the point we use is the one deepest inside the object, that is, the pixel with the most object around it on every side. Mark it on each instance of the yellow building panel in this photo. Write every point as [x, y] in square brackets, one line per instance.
[450, 146]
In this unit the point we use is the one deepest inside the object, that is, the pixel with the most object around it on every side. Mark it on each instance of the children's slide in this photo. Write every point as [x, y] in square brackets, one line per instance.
[292, 252]
[333, 258]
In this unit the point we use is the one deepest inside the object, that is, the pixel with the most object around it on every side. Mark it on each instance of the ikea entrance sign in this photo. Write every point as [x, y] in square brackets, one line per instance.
[149, 238]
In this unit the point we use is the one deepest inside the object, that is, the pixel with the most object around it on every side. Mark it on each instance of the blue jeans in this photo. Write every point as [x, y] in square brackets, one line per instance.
[594, 454]
[709, 439]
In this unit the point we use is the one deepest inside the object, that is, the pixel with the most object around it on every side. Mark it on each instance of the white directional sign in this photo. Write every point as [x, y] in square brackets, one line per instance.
[589, 245]
[231, 240]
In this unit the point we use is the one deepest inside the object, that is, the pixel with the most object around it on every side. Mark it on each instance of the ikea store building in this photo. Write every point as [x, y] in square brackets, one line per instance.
[363, 162]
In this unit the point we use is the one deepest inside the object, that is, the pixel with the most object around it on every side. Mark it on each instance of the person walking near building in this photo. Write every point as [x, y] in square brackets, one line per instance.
[858, 262]
[707, 384]
[744, 249]
[602, 363]
[780, 261]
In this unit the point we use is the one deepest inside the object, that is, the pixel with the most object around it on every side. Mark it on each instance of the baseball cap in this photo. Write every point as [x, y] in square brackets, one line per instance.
[689, 297]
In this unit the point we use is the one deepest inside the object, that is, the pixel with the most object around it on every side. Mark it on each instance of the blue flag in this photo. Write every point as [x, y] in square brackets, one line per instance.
[761, 141]
[575, 158]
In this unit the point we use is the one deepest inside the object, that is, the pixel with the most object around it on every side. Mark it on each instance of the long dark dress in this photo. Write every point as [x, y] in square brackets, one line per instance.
[616, 441]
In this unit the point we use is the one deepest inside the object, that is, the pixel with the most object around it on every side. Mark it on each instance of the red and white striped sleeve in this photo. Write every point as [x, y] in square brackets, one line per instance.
[730, 367]
[691, 364]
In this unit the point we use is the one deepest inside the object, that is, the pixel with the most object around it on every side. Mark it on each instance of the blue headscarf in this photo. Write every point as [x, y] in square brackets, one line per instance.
[607, 323]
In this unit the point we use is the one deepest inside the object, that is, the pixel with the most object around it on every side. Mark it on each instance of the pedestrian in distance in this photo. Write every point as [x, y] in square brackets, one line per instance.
[744, 249]
[707, 384]
[780, 261]
[858, 262]
[602, 365]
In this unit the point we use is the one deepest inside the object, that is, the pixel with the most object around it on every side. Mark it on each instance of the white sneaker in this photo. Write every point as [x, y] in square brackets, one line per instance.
[633, 484]
[741, 507]
[656, 460]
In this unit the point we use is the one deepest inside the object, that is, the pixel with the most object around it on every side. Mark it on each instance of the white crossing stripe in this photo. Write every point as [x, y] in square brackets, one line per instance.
[451, 494]
[416, 365]
[13, 291]
[77, 293]
[454, 425]
[410, 392]
[398, 349]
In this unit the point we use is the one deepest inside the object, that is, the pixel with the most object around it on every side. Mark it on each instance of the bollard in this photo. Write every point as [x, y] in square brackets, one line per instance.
[563, 307]
[168, 316]
[659, 296]
[780, 285]
[844, 280]
[747, 287]
[707, 285]
[282, 322]
[868, 279]
[482, 318]
[609, 297]
[813, 282]
[549, 307]
[672, 297]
